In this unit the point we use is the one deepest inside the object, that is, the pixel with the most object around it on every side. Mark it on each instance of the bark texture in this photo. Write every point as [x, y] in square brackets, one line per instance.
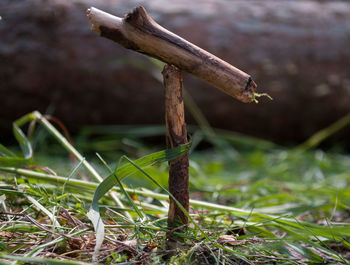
[139, 32]
[297, 51]
[176, 135]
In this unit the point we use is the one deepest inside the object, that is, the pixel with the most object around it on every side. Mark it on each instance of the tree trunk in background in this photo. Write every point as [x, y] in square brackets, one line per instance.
[297, 51]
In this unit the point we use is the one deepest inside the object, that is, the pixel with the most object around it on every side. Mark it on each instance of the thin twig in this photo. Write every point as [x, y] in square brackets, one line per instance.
[272, 257]
[118, 242]
[70, 218]
[33, 221]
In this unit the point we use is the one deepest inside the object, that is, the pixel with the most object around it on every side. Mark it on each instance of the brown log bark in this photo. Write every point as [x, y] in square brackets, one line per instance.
[297, 51]
[176, 135]
[139, 32]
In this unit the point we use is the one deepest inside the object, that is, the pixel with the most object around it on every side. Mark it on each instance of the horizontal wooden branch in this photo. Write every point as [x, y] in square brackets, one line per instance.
[138, 31]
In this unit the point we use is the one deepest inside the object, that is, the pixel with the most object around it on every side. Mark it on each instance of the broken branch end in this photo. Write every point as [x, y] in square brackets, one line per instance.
[100, 18]
[247, 95]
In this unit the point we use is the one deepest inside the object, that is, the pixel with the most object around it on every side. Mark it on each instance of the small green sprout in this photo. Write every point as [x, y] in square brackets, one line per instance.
[258, 95]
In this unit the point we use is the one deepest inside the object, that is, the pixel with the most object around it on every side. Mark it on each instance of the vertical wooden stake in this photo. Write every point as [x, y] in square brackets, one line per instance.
[176, 134]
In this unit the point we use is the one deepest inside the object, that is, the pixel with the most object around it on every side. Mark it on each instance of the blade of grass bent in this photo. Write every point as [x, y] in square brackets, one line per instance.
[123, 171]
[5, 151]
[23, 142]
[128, 169]
[21, 138]
[63, 141]
[126, 194]
[8, 158]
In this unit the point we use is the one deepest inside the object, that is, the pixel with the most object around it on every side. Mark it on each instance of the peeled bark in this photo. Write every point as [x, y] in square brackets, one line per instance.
[297, 52]
[176, 136]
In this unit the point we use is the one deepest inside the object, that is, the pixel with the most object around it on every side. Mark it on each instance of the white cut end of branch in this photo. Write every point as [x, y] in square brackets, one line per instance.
[99, 18]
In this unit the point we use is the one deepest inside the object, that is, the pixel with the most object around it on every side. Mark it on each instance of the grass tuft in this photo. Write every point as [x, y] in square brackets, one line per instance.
[264, 204]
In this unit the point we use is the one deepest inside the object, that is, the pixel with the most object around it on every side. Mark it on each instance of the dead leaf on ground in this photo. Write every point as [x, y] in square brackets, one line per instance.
[230, 240]
[7, 234]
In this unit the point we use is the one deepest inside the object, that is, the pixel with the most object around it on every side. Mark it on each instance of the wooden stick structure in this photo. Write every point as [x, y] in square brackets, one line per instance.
[139, 32]
[176, 134]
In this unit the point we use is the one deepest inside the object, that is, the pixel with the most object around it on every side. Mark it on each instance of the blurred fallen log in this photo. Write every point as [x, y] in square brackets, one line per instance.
[296, 50]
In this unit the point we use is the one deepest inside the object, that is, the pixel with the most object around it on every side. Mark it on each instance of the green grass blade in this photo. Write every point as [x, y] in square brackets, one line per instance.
[123, 171]
[121, 187]
[128, 169]
[37, 260]
[323, 134]
[305, 252]
[139, 213]
[14, 161]
[6, 152]
[40, 207]
[95, 218]
[65, 144]
[23, 142]
[328, 252]
[27, 149]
